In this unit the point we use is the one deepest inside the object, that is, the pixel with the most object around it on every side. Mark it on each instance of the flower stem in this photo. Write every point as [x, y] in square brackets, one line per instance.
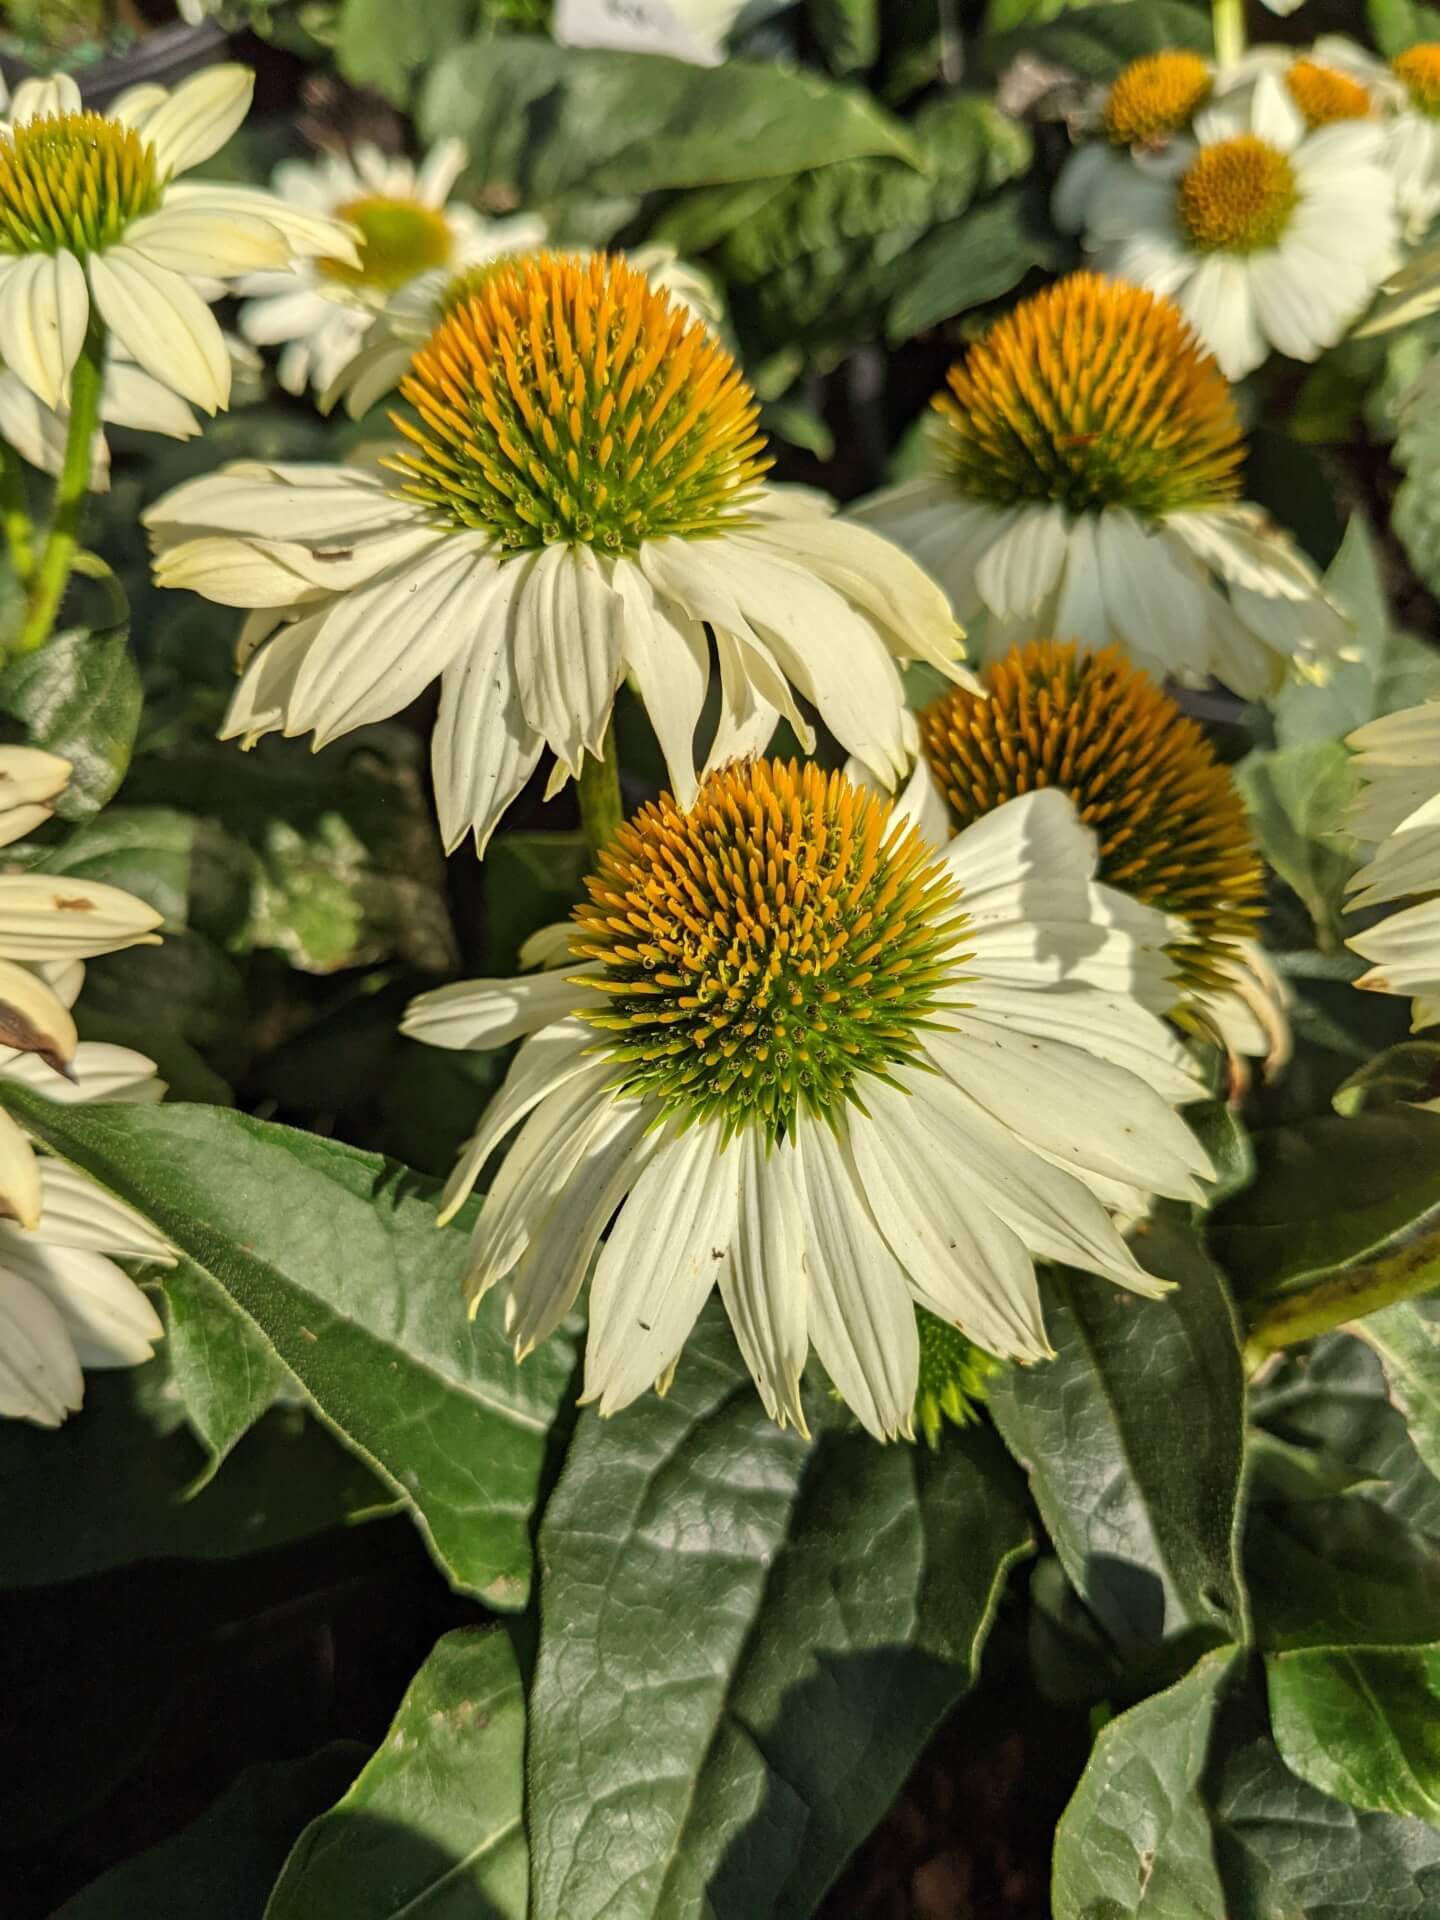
[599, 786]
[1228, 18]
[1348, 1293]
[15, 511]
[71, 489]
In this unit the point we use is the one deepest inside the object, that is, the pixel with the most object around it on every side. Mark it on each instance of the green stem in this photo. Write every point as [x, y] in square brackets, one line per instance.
[15, 511]
[1228, 18]
[1347, 1293]
[599, 786]
[71, 490]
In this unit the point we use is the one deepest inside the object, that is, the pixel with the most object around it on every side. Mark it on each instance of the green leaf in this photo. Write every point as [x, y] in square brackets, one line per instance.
[1096, 41]
[848, 32]
[1362, 1723]
[1187, 1812]
[1331, 1397]
[747, 1638]
[1407, 1072]
[1398, 24]
[1407, 1339]
[965, 263]
[224, 1369]
[380, 45]
[1343, 1571]
[1133, 1440]
[119, 1479]
[434, 1819]
[1384, 669]
[546, 121]
[1135, 1841]
[334, 1257]
[1297, 798]
[223, 1866]
[1337, 1203]
[79, 696]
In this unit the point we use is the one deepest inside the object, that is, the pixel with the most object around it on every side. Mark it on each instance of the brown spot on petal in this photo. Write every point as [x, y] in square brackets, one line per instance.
[63, 904]
[19, 1031]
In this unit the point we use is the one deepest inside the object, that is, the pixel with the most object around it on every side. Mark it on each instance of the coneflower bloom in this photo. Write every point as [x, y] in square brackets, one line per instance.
[1171, 826]
[582, 495]
[1399, 812]
[785, 1021]
[1084, 483]
[1271, 236]
[1143, 108]
[95, 222]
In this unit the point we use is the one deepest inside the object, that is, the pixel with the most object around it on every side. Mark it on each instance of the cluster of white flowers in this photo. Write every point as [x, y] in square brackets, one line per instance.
[1270, 198]
[791, 1004]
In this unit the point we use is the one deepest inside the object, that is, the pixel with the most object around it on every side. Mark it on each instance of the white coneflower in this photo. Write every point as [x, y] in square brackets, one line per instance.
[787, 1022]
[691, 30]
[1268, 235]
[95, 221]
[583, 494]
[409, 229]
[1172, 829]
[383, 357]
[1083, 484]
[1143, 108]
[1399, 757]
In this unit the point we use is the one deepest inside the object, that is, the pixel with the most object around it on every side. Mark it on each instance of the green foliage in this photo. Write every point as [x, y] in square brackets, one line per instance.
[845, 1592]
[1297, 798]
[79, 696]
[435, 1815]
[1094, 42]
[1362, 1723]
[334, 1258]
[1132, 1438]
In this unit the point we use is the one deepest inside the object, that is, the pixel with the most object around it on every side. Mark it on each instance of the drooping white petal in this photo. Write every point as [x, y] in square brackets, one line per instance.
[33, 1017]
[189, 242]
[99, 1071]
[163, 325]
[669, 657]
[20, 1197]
[483, 749]
[568, 642]
[862, 1318]
[82, 1215]
[40, 1377]
[763, 1280]
[491, 1013]
[659, 1265]
[44, 312]
[52, 917]
[109, 1320]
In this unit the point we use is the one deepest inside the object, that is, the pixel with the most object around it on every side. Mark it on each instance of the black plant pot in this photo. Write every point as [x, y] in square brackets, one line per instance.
[166, 56]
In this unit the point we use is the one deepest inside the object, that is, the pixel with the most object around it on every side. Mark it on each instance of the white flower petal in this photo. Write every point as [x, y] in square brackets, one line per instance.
[108, 1318]
[669, 656]
[52, 917]
[40, 1377]
[762, 1281]
[79, 1214]
[568, 639]
[164, 326]
[44, 312]
[198, 117]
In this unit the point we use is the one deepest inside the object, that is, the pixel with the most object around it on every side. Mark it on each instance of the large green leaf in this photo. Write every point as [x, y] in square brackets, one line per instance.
[1133, 1439]
[1342, 1207]
[1398, 24]
[382, 46]
[1187, 1812]
[1339, 1571]
[545, 121]
[223, 1865]
[433, 1822]
[1407, 1339]
[334, 1256]
[1362, 1723]
[848, 32]
[79, 696]
[119, 1479]
[745, 1639]
[1135, 1842]
[1297, 798]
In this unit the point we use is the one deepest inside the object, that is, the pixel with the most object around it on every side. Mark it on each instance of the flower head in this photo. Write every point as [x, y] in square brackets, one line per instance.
[1325, 94]
[783, 1022]
[1155, 97]
[1418, 71]
[581, 498]
[1271, 227]
[1398, 756]
[1171, 827]
[1091, 395]
[1083, 480]
[406, 228]
[566, 400]
[94, 226]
